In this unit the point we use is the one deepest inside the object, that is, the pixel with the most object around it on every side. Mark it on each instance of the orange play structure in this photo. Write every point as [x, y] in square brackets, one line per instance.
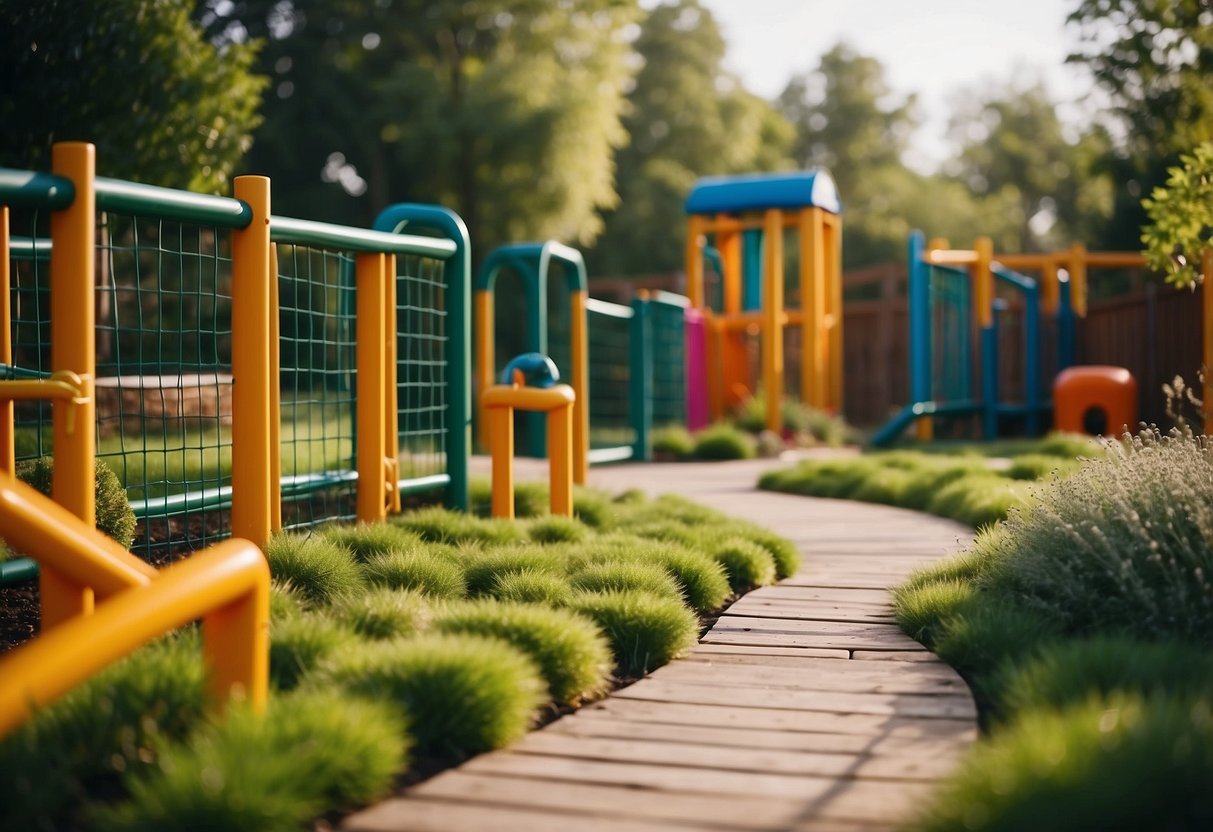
[1102, 392]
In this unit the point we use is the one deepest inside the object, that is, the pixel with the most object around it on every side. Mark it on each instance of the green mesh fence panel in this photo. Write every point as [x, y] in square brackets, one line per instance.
[669, 363]
[29, 292]
[421, 367]
[607, 333]
[952, 351]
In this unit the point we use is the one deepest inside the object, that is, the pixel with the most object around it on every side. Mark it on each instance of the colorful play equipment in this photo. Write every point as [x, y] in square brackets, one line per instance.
[970, 309]
[529, 382]
[738, 223]
[1095, 399]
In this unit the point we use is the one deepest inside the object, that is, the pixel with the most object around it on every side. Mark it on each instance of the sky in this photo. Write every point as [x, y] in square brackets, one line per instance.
[934, 48]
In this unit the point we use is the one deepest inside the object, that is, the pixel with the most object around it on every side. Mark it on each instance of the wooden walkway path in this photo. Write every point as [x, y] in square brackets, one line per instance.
[803, 708]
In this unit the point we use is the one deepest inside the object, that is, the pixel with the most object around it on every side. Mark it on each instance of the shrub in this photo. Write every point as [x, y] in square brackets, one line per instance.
[115, 518]
[483, 568]
[1125, 545]
[309, 753]
[976, 499]
[645, 631]
[1068, 674]
[569, 650]
[887, 486]
[439, 525]
[928, 480]
[1123, 763]
[531, 587]
[463, 694]
[382, 613]
[367, 539]
[419, 569]
[923, 610]
[673, 441]
[298, 644]
[317, 568]
[623, 575]
[746, 563]
[109, 728]
[285, 602]
[703, 581]
[785, 553]
[722, 442]
[556, 529]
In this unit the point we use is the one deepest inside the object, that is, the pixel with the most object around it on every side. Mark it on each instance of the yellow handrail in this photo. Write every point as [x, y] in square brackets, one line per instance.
[227, 585]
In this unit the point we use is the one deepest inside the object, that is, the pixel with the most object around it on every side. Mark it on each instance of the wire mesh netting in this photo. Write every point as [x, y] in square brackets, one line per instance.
[607, 329]
[422, 345]
[951, 328]
[669, 362]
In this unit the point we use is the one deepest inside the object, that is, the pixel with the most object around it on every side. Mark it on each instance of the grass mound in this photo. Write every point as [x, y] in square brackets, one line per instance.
[746, 563]
[568, 648]
[382, 613]
[556, 529]
[626, 575]
[497, 688]
[439, 525]
[722, 442]
[531, 587]
[483, 568]
[645, 631]
[317, 568]
[298, 644]
[430, 573]
[309, 753]
[674, 442]
[367, 539]
[285, 602]
[531, 499]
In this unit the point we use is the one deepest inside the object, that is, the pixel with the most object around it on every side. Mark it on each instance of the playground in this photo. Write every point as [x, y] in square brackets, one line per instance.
[414, 506]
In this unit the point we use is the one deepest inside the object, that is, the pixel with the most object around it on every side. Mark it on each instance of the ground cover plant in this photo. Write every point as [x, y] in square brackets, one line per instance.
[1083, 626]
[395, 650]
[964, 486]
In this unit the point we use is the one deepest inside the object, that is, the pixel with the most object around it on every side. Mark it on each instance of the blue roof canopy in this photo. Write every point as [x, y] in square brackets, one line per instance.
[759, 191]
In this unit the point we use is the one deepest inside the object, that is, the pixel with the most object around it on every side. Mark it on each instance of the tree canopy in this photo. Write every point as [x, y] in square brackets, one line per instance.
[138, 79]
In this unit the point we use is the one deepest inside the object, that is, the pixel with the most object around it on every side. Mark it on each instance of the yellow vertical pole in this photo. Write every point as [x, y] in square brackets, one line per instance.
[73, 347]
[560, 427]
[833, 241]
[1206, 269]
[371, 503]
[501, 447]
[8, 459]
[694, 261]
[252, 516]
[483, 328]
[236, 647]
[729, 245]
[772, 317]
[391, 422]
[1052, 290]
[580, 356]
[983, 281]
[812, 293]
[1078, 279]
[275, 380]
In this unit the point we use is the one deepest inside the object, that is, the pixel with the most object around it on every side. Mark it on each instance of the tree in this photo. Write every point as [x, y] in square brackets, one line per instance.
[688, 118]
[506, 111]
[1181, 219]
[1154, 60]
[136, 78]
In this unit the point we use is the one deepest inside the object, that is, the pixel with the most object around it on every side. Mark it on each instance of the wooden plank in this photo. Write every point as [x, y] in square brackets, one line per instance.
[834, 641]
[734, 758]
[708, 649]
[894, 656]
[878, 631]
[810, 593]
[400, 814]
[808, 678]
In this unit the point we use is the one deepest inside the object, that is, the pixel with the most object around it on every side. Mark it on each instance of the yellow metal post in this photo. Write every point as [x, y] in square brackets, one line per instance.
[501, 447]
[833, 244]
[1206, 269]
[73, 348]
[694, 261]
[483, 328]
[1052, 288]
[252, 514]
[983, 281]
[772, 324]
[391, 404]
[369, 351]
[812, 293]
[560, 441]
[580, 356]
[275, 378]
[236, 636]
[499, 403]
[8, 459]
[728, 243]
[1078, 279]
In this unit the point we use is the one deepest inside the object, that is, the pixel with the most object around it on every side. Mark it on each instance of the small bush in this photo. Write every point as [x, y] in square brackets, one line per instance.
[1124, 763]
[556, 529]
[382, 613]
[886, 486]
[1069, 674]
[483, 568]
[976, 499]
[569, 649]
[285, 601]
[785, 553]
[115, 518]
[746, 563]
[703, 581]
[623, 575]
[318, 569]
[723, 442]
[531, 587]
[927, 481]
[298, 644]
[367, 539]
[310, 753]
[463, 694]
[110, 728]
[430, 574]
[645, 631]
[1040, 466]
[439, 525]
[673, 441]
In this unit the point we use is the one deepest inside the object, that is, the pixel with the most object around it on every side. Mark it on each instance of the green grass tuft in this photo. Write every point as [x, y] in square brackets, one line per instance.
[298, 644]
[924, 609]
[673, 441]
[977, 499]
[746, 563]
[318, 569]
[624, 575]
[702, 580]
[723, 442]
[115, 518]
[367, 539]
[310, 753]
[531, 587]
[569, 649]
[497, 688]
[594, 508]
[531, 499]
[285, 601]
[1041, 466]
[645, 631]
[483, 568]
[382, 613]
[439, 525]
[430, 573]
[556, 529]
[785, 553]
